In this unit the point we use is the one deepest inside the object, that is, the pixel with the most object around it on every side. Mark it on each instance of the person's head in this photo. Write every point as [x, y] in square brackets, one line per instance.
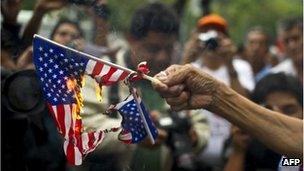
[291, 34]
[65, 31]
[154, 30]
[281, 93]
[207, 25]
[256, 47]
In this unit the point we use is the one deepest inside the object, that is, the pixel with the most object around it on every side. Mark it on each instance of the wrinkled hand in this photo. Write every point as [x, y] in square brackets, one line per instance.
[10, 10]
[49, 5]
[186, 87]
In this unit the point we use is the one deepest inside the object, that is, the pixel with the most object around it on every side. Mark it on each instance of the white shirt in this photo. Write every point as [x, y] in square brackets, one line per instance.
[243, 69]
[286, 67]
[219, 127]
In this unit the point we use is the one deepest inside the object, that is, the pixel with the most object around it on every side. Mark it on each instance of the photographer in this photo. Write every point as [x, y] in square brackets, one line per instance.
[215, 55]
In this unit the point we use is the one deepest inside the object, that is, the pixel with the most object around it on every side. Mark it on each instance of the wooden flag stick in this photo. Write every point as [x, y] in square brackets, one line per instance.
[153, 80]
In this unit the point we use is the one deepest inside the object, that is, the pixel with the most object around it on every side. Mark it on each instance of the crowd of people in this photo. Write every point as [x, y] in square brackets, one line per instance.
[269, 74]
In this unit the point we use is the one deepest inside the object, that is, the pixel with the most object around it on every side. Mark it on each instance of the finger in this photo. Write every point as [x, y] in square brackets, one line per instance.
[173, 91]
[180, 107]
[172, 69]
[178, 76]
[182, 98]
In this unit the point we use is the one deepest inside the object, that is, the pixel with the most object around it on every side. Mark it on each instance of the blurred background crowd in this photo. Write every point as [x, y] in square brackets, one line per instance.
[256, 47]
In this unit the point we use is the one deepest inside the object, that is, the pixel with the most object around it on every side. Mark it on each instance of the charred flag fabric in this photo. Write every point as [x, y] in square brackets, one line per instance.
[60, 71]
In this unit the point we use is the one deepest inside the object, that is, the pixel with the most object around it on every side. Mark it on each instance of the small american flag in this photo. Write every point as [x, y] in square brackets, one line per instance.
[60, 70]
[136, 122]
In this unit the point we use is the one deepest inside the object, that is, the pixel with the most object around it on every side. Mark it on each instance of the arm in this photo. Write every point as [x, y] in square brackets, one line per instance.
[271, 128]
[41, 8]
[188, 88]
[235, 162]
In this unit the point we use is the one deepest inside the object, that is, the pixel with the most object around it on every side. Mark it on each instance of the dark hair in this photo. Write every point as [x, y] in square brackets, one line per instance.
[258, 29]
[66, 21]
[289, 23]
[277, 82]
[154, 17]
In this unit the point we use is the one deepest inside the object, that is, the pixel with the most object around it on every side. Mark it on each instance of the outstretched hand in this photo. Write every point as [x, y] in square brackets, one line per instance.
[186, 87]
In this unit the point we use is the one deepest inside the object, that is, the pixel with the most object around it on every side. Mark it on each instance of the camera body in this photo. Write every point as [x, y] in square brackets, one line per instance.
[209, 40]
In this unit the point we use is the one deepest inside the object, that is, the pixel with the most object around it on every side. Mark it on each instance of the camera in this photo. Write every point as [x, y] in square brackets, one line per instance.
[209, 40]
[178, 124]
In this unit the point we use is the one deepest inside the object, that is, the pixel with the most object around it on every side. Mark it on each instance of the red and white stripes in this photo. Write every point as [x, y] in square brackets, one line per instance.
[105, 74]
[76, 144]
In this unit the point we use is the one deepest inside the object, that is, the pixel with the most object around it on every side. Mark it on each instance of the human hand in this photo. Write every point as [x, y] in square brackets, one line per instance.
[78, 44]
[186, 87]
[10, 10]
[25, 61]
[226, 50]
[45, 6]
[240, 139]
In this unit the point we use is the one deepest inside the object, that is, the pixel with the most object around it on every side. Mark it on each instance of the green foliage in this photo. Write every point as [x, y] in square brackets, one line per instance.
[243, 14]
[240, 14]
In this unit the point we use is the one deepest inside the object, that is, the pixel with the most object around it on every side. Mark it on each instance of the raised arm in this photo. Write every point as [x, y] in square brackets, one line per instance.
[188, 88]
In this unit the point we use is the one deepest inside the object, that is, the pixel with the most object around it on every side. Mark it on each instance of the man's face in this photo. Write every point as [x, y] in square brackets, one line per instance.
[293, 43]
[284, 102]
[156, 48]
[256, 46]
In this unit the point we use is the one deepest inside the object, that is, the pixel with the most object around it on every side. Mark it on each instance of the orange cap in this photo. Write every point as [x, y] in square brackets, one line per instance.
[213, 20]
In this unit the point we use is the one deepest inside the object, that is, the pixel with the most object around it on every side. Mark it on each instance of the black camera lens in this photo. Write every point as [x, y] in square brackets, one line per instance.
[209, 40]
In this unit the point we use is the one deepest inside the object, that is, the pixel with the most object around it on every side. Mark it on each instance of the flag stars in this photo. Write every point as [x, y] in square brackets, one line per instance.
[55, 99]
[56, 66]
[45, 54]
[45, 64]
[51, 60]
[50, 70]
[49, 94]
[60, 72]
[51, 50]
[40, 59]
[58, 81]
[42, 79]
[40, 48]
[54, 76]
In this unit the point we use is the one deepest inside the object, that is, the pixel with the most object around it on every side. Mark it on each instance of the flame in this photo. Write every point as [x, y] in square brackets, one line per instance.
[74, 86]
[98, 90]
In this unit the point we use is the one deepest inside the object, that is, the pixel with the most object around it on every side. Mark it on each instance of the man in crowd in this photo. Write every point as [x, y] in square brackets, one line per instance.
[153, 34]
[290, 32]
[277, 92]
[219, 60]
[257, 52]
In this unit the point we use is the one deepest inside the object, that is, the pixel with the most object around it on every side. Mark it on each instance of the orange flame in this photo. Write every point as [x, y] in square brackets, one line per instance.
[74, 85]
[98, 90]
